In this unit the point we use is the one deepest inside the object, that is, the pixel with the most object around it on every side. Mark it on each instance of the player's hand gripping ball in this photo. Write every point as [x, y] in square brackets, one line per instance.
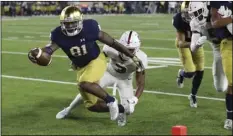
[38, 56]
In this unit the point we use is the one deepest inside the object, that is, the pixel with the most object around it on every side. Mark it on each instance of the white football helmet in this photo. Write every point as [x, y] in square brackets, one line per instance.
[130, 39]
[198, 10]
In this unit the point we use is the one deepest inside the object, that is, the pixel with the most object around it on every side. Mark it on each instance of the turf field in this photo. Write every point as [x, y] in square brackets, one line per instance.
[32, 95]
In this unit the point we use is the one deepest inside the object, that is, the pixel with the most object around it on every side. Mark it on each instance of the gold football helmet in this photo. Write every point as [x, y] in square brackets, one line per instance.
[71, 20]
[184, 11]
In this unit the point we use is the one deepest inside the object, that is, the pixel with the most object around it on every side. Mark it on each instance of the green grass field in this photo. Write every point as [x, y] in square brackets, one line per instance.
[29, 104]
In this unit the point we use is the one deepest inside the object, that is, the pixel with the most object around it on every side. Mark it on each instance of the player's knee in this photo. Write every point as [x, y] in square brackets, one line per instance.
[83, 85]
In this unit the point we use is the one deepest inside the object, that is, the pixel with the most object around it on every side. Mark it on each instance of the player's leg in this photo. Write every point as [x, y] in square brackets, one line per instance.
[77, 101]
[198, 59]
[101, 106]
[226, 53]
[125, 89]
[88, 78]
[188, 70]
[219, 77]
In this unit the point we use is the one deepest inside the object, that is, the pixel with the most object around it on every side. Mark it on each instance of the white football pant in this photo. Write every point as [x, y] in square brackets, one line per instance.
[125, 88]
[220, 80]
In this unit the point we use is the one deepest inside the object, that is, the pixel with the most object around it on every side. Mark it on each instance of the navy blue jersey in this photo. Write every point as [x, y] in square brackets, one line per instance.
[182, 26]
[221, 32]
[81, 48]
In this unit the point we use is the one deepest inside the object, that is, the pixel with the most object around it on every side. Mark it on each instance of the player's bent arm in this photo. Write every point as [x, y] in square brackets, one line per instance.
[108, 40]
[181, 40]
[194, 39]
[50, 48]
[217, 21]
[140, 82]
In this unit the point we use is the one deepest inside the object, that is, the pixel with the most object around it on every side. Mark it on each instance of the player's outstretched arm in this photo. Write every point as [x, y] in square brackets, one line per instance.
[50, 48]
[108, 40]
[140, 82]
[35, 54]
[217, 21]
[181, 40]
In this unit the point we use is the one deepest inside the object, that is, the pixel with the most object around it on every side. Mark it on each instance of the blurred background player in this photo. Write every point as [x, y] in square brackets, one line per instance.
[193, 63]
[120, 70]
[221, 19]
[201, 27]
[77, 38]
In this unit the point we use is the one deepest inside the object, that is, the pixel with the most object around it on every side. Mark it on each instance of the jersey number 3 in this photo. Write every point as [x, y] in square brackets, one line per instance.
[77, 51]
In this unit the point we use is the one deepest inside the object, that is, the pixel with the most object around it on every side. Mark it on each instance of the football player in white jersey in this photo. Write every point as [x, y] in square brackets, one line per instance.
[201, 25]
[120, 71]
[201, 31]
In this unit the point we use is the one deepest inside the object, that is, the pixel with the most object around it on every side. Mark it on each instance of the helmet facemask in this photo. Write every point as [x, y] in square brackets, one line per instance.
[71, 28]
[200, 15]
[185, 16]
[133, 50]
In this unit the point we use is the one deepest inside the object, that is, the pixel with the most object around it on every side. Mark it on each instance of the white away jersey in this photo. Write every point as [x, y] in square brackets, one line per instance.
[205, 29]
[120, 68]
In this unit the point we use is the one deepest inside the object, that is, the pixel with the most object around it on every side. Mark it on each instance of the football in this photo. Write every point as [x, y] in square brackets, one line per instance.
[43, 58]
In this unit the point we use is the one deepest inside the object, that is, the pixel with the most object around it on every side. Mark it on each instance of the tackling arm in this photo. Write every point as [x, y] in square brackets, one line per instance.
[140, 81]
[181, 40]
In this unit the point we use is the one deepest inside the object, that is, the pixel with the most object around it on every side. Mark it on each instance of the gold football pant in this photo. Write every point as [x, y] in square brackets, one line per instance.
[93, 72]
[226, 54]
[191, 61]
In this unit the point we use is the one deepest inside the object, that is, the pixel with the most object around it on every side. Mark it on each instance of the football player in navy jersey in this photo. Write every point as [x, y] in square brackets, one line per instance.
[77, 38]
[221, 19]
[193, 63]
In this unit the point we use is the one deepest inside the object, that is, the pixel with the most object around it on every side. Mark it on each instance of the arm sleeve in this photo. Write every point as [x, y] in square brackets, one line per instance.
[176, 23]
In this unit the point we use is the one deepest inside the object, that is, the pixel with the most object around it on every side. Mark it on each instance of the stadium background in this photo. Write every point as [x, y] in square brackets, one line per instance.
[53, 8]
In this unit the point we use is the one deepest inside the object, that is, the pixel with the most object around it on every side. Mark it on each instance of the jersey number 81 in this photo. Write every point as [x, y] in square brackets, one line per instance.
[77, 51]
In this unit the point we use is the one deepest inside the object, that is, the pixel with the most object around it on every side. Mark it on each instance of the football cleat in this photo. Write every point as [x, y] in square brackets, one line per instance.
[193, 101]
[228, 124]
[121, 120]
[113, 109]
[180, 79]
[62, 114]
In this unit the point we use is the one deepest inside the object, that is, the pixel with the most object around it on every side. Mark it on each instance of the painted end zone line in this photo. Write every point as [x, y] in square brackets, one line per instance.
[72, 83]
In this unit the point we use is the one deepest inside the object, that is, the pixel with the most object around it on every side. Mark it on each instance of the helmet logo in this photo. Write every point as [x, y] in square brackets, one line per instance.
[68, 19]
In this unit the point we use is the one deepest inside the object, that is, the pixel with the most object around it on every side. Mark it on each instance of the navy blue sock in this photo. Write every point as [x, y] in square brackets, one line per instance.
[109, 99]
[197, 81]
[187, 74]
[229, 105]
[121, 108]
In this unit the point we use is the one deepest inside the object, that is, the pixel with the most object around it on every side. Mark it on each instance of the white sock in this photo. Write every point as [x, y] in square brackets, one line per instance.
[77, 100]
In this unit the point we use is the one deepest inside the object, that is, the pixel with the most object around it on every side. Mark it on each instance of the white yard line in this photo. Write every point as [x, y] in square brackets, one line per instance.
[143, 47]
[163, 62]
[73, 83]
